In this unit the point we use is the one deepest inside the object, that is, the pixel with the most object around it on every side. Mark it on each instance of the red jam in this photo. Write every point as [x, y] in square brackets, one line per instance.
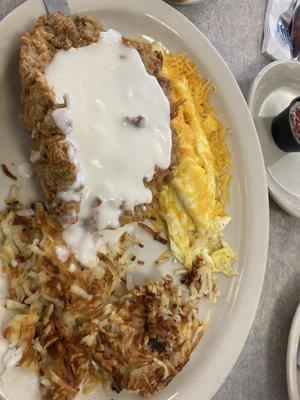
[295, 120]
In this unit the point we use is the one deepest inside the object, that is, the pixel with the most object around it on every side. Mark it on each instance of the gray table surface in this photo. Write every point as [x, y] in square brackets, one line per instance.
[235, 28]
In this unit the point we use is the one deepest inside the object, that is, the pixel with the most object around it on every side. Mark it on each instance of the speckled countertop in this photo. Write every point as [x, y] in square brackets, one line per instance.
[235, 28]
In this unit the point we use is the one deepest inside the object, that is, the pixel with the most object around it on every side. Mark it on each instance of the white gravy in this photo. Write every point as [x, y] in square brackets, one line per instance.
[118, 121]
[26, 170]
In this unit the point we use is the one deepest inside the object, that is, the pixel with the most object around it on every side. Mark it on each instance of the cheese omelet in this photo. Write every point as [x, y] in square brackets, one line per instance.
[191, 208]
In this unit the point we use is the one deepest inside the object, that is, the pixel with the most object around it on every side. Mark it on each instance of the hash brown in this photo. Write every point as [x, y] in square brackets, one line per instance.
[81, 326]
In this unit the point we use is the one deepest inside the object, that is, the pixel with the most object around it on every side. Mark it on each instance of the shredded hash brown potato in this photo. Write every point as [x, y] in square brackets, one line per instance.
[80, 326]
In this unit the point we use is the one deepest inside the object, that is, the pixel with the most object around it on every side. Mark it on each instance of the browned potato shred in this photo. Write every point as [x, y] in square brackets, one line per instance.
[81, 326]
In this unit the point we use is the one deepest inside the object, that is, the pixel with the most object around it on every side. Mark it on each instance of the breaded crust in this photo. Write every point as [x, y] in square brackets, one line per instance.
[54, 168]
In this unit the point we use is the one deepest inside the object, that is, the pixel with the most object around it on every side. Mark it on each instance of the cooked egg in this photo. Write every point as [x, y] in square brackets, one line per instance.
[191, 208]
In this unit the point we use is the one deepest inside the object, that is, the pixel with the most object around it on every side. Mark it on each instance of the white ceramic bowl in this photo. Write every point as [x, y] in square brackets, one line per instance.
[185, 2]
[292, 371]
[232, 316]
[271, 92]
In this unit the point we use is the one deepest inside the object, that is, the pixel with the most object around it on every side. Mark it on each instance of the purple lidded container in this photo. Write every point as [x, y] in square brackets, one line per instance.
[286, 127]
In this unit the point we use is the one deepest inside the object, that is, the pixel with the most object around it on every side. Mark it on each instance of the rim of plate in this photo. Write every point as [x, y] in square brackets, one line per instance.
[255, 253]
[291, 357]
[277, 195]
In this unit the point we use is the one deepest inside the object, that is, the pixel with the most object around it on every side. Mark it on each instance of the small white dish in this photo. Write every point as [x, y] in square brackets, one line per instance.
[271, 92]
[184, 2]
[292, 370]
[232, 316]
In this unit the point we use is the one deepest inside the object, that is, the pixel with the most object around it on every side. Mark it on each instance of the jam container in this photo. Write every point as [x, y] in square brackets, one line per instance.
[286, 127]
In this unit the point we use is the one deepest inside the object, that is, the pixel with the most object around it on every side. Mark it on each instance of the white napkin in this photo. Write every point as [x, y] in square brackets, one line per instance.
[273, 45]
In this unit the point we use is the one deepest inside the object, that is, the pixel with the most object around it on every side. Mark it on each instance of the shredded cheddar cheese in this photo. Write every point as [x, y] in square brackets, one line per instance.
[191, 207]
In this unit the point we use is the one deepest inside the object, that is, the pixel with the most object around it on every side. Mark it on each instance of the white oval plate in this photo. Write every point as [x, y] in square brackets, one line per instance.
[248, 232]
[293, 351]
[271, 92]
